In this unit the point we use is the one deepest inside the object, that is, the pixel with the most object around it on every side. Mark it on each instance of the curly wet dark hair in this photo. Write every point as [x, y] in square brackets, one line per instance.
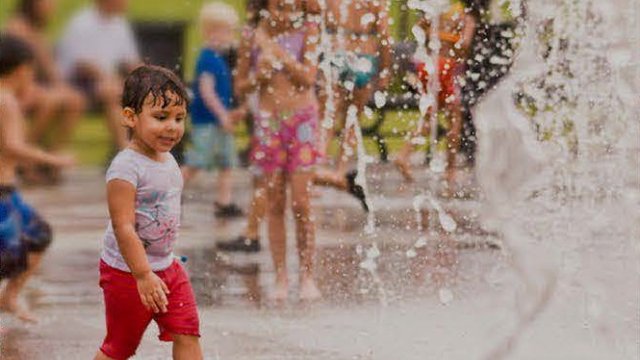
[161, 84]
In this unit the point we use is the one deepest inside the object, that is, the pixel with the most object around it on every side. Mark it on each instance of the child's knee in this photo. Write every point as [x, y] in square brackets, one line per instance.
[186, 341]
[76, 102]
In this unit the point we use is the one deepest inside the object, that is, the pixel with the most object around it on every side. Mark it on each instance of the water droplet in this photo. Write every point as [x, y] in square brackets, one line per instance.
[445, 295]
[380, 99]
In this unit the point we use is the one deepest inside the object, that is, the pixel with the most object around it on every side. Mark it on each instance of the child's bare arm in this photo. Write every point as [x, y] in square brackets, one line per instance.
[302, 73]
[12, 132]
[243, 81]
[306, 73]
[206, 85]
[121, 198]
[386, 55]
[468, 31]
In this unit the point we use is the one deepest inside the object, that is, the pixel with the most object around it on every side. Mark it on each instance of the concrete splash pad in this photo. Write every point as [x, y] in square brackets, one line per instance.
[454, 300]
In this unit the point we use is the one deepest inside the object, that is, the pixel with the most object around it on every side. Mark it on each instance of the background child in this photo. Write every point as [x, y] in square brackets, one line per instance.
[24, 235]
[455, 32]
[139, 276]
[361, 57]
[245, 92]
[212, 143]
[284, 145]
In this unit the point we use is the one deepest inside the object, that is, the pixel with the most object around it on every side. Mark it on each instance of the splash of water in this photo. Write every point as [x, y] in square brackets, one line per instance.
[555, 168]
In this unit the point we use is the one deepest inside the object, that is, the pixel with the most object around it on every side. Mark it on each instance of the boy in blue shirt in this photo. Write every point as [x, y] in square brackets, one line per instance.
[212, 120]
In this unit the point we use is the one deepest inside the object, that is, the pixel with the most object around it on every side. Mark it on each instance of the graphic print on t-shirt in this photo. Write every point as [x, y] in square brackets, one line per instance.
[155, 223]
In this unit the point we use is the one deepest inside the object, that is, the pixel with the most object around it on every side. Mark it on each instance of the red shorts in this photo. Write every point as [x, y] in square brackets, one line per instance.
[127, 318]
[448, 69]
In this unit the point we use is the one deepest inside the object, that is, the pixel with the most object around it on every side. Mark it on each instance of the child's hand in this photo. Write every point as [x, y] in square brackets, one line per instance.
[264, 69]
[64, 160]
[261, 37]
[237, 115]
[227, 124]
[153, 292]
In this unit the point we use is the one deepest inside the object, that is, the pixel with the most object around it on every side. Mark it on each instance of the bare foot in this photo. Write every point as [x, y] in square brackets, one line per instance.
[281, 290]
[404, 168]
[308, 290]
[12, 307]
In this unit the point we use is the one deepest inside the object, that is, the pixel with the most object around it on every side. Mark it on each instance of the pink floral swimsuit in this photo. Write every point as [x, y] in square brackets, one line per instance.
[287, 140]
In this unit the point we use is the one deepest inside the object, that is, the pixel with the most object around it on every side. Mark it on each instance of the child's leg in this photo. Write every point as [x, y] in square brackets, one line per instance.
[224, 185]
[73, 106]
[249, 240]
[401, 160]
[101, 356]
[45, 105]
[186, 347]
[301, 183]
[10, 293]
[277, 195]
[338, 117]
[258, 208]
[325, 177]
[347, 148]
[453, 142]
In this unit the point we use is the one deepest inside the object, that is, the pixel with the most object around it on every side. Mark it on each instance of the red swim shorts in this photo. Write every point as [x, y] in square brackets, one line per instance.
[127, 319]
[448, 69]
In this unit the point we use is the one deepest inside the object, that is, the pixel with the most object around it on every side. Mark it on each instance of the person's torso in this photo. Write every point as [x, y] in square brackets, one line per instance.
[211, 62]
[157, 210]
[102, 40]
[352, 26]
[452, 25]
[8, 163]
[281, 92]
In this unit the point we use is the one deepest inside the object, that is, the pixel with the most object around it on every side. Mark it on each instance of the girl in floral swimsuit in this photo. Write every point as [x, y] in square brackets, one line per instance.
[280, 58]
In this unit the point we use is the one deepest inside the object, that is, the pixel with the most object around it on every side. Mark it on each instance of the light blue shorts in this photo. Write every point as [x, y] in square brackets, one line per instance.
[211, 148]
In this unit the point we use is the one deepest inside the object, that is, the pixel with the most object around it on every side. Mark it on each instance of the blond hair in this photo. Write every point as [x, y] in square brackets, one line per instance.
[218, 13]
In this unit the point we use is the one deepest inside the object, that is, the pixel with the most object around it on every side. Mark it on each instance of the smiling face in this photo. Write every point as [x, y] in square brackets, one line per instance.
[159, 125]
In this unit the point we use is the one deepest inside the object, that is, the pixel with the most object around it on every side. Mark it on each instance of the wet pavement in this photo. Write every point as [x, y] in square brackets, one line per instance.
[450, 297]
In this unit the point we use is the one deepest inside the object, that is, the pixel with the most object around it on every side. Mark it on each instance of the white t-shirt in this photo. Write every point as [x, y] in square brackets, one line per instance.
[158, 190]
[92, 37]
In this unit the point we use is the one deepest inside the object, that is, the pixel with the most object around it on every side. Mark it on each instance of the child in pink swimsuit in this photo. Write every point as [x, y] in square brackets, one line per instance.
[281, 66]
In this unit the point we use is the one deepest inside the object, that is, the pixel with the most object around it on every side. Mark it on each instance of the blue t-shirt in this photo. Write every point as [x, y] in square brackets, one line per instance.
[212, 63]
